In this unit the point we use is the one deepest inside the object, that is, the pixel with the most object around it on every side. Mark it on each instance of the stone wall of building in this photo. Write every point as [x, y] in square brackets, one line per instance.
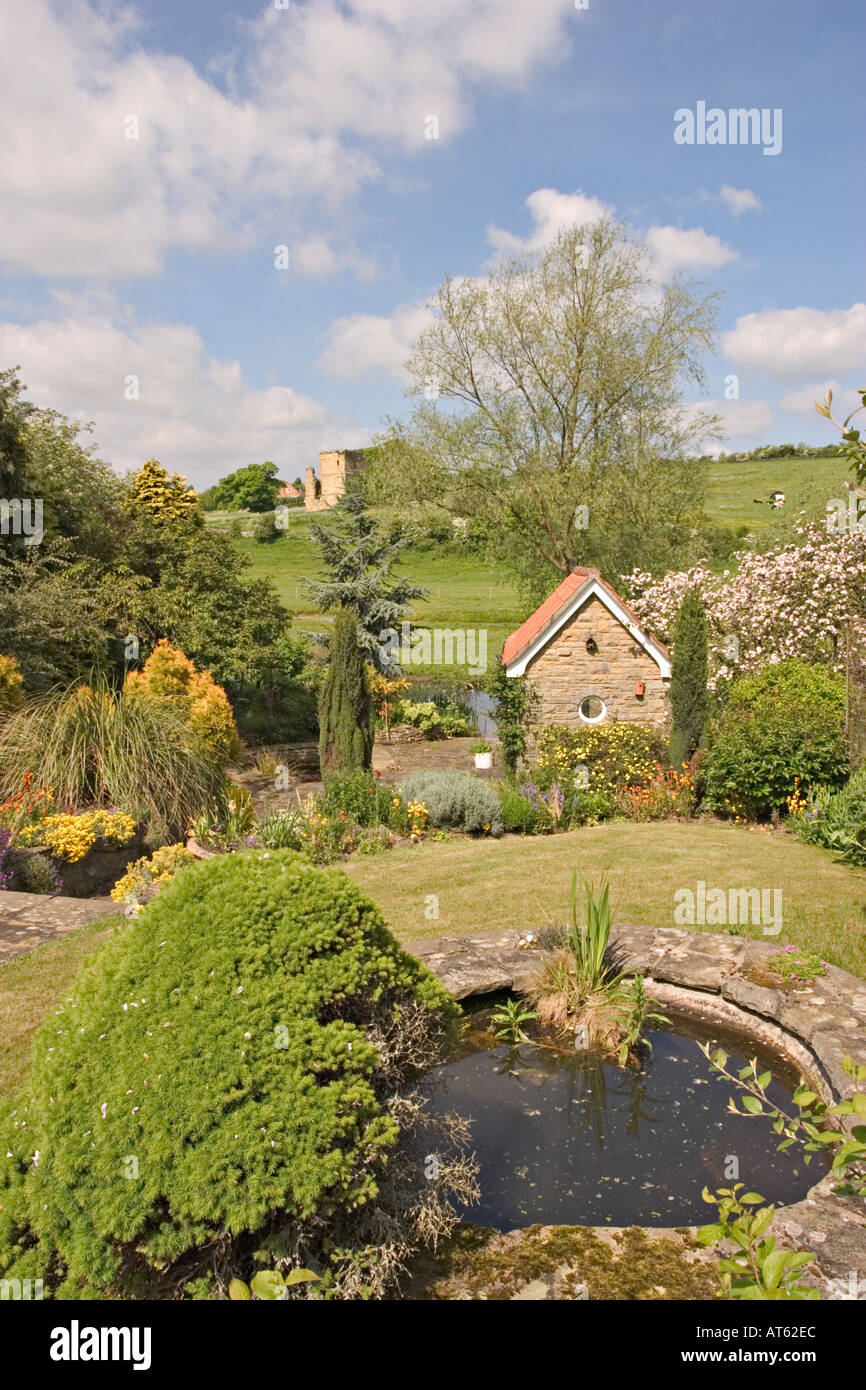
[564, 673]
[335, 467]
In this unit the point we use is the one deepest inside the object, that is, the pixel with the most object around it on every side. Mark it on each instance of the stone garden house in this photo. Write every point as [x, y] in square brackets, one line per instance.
[588, 659]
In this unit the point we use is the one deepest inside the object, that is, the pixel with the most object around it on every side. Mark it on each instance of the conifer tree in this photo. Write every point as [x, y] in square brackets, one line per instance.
[345, 705]
[359, 554]
[688, 692]
[167, 498]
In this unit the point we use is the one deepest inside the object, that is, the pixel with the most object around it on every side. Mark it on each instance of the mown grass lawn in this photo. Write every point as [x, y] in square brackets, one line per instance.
[525, 881]
[480, 885]
[30, 986]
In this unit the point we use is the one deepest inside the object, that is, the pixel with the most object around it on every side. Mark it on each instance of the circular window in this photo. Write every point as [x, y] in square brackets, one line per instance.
[592, 710]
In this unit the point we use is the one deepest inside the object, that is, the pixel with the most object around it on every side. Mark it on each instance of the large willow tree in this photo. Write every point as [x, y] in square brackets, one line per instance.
[556, 384]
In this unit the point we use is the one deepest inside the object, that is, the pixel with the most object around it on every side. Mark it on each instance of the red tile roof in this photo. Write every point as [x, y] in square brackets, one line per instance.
[560, 597]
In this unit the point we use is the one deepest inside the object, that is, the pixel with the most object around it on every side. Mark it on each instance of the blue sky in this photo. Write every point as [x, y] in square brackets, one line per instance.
[255, 126]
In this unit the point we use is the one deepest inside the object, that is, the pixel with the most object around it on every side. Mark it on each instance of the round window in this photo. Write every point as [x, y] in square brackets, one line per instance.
[592, 710]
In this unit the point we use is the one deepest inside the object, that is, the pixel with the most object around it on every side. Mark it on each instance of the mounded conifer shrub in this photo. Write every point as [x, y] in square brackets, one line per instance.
[233, 1072]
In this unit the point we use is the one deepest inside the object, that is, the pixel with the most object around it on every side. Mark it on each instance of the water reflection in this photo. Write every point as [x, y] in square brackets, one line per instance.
[573, 1138]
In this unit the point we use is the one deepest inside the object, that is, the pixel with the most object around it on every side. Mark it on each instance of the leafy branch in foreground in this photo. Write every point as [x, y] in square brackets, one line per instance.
[816, 1126]
[757, 1270]
[853, 447]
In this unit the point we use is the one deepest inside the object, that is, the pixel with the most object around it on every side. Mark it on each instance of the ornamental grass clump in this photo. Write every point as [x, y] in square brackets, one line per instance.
[99, 750]
[234, 1073]
[580, 994]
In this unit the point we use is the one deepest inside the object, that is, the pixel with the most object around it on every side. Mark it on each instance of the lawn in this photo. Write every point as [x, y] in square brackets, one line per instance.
[523, 882]
[30, 985]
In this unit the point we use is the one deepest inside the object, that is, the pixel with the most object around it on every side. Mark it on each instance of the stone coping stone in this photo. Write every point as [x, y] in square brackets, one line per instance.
[826, 1020]
[29, 919]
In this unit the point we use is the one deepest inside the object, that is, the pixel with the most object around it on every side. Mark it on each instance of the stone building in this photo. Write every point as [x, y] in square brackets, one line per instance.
[588, 660]
[335, 466]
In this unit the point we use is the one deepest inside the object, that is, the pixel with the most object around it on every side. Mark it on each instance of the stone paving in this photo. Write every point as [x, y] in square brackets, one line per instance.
[29, 919]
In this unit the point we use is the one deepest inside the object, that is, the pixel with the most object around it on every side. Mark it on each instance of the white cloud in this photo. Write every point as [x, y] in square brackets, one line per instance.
[551, 212]
[688, 249]
[672, 248]
[746, 422]
[195, 413]
[736, 200]
[739, 200]
[228, 166]
[795, 343]
[364, 343]
[317, 258]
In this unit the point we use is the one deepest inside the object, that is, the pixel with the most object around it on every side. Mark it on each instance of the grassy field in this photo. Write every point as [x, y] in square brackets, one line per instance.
[467, 591]
[806, 482]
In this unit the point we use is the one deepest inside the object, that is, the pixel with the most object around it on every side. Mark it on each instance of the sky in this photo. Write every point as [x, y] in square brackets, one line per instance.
[221, 224]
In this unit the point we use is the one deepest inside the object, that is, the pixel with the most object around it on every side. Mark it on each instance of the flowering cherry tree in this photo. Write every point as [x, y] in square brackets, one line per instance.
[795, 600]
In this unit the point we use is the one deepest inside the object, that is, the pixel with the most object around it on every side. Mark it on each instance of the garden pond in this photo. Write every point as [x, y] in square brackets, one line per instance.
[573, 1139]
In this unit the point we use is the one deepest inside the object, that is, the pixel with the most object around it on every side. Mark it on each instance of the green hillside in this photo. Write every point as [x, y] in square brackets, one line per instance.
[807, 482]
[469, 592]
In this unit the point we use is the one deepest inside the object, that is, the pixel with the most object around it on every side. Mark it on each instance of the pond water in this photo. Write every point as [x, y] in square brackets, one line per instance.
[579, 1141]
[483, 707]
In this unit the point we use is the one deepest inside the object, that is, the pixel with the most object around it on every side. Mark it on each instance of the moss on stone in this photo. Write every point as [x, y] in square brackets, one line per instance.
[559, 1261]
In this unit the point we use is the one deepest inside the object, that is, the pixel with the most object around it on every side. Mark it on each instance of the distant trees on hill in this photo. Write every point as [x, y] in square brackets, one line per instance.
[781, 451]
[254, 488]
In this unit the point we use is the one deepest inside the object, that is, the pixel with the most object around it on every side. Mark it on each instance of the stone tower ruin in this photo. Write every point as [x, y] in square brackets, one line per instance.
[335, 467]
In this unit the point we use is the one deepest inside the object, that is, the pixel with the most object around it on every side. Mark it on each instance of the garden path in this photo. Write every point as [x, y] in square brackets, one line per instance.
[29, 919]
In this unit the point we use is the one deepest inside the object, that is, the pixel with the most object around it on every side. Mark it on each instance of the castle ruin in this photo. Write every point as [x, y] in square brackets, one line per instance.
[335, 467]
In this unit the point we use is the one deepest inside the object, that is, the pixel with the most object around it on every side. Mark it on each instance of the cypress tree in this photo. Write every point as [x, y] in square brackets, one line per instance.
[688, 678]
[345, 705]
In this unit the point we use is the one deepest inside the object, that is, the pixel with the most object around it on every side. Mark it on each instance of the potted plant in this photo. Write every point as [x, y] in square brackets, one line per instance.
[483, 754]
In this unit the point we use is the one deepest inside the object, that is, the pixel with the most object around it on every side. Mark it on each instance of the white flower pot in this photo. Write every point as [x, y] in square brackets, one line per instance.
[483, 760]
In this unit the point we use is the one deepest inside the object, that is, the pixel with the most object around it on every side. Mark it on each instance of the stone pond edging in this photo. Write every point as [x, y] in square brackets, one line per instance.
[725, 979]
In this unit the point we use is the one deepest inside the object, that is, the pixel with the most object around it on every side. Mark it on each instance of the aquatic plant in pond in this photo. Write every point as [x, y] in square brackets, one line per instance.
[577, 992]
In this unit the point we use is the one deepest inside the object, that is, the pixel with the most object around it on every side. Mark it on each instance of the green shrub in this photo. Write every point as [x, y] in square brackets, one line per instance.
[234, 1071]
[345, 704]
[456, 800]
[518, 812]
[98, 749]
[836, 820]
[360, 795]
[688, 688]
[780, 725]
[436, 720]
[512, 696]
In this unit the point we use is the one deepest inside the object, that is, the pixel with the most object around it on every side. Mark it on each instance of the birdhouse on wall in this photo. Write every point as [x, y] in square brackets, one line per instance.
[640, 689]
